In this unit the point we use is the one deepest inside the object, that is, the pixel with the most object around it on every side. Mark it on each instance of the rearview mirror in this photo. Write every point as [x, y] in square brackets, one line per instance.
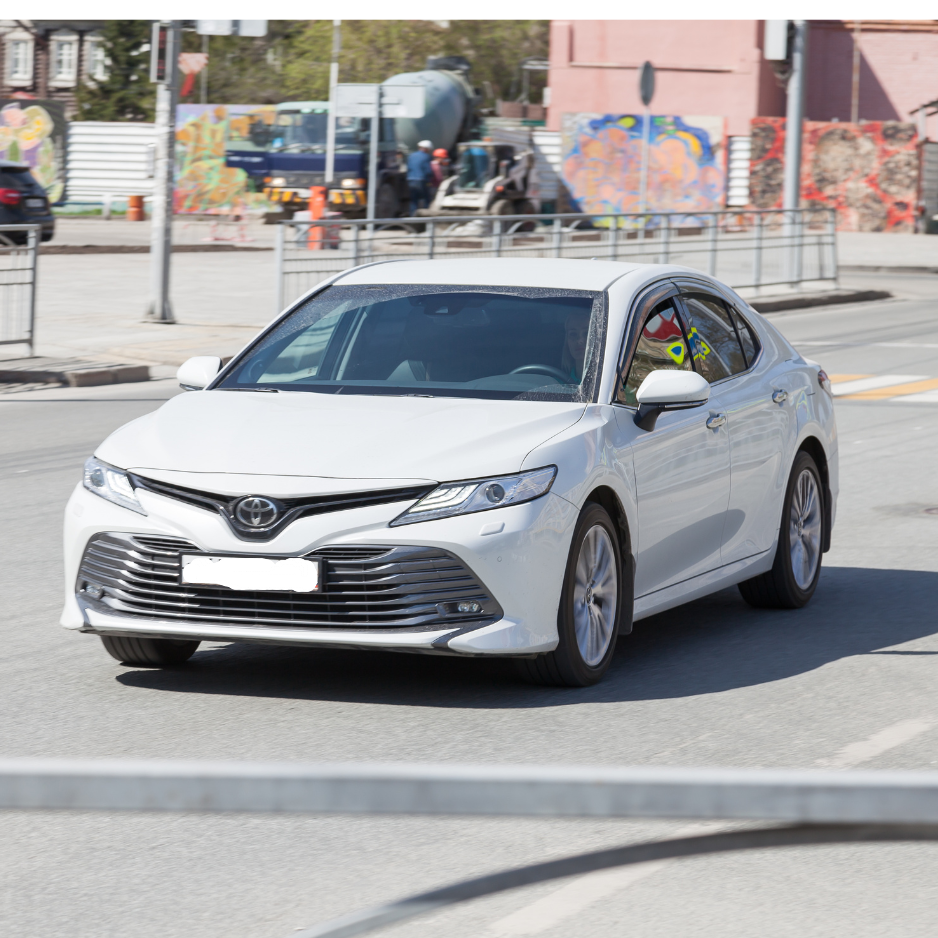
[197, 373]
[669, 390]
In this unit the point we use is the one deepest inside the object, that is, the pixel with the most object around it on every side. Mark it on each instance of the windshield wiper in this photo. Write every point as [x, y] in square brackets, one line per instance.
[265, 390]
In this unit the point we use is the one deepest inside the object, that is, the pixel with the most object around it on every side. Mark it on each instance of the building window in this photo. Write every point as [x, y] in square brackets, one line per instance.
[96, 62]
[20, 57]
[64, 59]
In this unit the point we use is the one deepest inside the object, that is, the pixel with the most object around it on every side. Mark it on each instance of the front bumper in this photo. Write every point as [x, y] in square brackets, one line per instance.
[520, 559]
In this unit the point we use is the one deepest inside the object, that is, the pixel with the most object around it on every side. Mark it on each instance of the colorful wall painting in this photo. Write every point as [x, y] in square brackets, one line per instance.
[36, 132]
[867, 171]
[204, 184]
[602, 159]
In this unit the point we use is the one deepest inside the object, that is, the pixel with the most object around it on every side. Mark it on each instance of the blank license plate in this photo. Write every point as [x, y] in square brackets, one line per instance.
[291, 574]
[35, 203]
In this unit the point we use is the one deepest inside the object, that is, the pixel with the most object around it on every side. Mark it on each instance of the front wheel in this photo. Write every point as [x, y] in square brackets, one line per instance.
[149, 652]
[791, 582]
[590, 607]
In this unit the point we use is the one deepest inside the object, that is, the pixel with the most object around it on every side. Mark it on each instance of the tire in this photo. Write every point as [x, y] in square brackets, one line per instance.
[791, 582]
[149, 652]
[583, 656]
[387, 202]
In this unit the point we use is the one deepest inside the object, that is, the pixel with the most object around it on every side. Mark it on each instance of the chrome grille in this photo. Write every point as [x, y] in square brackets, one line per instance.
[362, 587]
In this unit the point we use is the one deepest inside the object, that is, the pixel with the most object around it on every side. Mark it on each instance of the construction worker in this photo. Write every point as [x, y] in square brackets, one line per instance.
[419, 174]
[439, 166]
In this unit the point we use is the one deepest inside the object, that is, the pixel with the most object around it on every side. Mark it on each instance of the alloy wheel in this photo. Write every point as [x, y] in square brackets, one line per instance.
[595, 595]
[804, 532]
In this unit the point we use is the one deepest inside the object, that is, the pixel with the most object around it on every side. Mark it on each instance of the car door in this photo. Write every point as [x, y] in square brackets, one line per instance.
[752, 385]
[682, 467]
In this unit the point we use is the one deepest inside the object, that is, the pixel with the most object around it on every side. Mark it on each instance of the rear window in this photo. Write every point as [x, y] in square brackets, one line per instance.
[508, 343]
[11, 178]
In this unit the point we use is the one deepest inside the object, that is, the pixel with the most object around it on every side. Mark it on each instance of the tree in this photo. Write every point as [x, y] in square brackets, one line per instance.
[126, 93]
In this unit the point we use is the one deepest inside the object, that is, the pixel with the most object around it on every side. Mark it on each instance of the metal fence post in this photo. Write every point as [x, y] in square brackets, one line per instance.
[32, 241]
[832, 234]
[712, 245]
[558, 235]
[431, 238]
[614, 238]
[497, 231]
[757, 254]
[665, 254]
[799, 245]
[278, 263]
[355, 245]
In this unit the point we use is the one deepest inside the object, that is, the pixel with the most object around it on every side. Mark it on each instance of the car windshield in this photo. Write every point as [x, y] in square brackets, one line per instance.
[507, 343]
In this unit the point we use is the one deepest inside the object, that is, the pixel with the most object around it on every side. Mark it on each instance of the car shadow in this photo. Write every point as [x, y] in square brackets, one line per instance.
[705, 647]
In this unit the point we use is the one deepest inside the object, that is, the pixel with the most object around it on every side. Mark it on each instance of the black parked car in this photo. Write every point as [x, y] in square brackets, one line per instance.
[23, 202]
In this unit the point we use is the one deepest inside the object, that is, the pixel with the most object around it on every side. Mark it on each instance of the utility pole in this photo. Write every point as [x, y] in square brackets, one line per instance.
[164, 71]
[794, 116]
[203, 77]
[855, 84]
[333, 81]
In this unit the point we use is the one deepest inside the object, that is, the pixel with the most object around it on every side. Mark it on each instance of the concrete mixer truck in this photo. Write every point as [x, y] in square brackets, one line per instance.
[288, 157]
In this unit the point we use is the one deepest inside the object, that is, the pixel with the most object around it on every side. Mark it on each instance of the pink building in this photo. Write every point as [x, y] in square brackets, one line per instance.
[716, 67]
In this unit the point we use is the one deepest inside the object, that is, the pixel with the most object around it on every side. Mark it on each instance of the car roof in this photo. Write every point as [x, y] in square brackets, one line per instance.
[12, 164]
[550, 272]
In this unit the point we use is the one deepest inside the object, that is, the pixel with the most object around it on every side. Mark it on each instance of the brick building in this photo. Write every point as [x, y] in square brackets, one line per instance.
[47, 59]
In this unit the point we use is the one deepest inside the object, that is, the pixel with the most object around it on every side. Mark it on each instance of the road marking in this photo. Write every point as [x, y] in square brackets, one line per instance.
[877, 744]
[924, 397]
[861, 385]
[912, 387]
[573, 897]
[840, 379]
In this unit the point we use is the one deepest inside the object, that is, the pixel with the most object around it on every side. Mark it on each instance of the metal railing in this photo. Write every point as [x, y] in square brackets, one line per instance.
[805, 807]
[745, 249]
[18, 284]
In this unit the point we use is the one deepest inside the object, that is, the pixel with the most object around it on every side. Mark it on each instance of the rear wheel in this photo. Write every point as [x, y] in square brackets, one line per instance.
[791, 582]
[590, 607]
[149, 652]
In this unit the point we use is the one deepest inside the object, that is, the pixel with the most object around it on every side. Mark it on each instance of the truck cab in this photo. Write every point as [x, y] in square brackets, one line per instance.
[287, 159]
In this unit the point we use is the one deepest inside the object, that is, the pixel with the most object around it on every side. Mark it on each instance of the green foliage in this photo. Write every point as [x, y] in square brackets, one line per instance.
[126, 94]
[373, 50]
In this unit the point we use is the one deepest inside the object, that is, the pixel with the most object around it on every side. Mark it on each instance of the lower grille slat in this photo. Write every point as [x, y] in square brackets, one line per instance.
[362, 586]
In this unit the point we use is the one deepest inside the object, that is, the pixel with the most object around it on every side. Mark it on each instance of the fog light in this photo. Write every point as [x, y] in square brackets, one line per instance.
[93, 590]
[468, 607]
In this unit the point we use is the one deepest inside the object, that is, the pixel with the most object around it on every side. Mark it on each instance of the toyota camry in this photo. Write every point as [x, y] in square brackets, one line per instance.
[516, 457]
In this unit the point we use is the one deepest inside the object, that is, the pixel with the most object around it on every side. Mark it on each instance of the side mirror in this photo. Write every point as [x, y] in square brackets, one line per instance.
[196, 373]
[669, 390]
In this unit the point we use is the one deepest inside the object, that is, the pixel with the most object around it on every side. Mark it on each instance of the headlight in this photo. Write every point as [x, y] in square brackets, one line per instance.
[462, 498]
[353, 183]
[111, 484]
[278, 182]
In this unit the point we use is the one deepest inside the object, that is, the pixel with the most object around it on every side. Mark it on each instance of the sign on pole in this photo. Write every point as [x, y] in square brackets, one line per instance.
[231, 27]
[646, 83]
[403, 101]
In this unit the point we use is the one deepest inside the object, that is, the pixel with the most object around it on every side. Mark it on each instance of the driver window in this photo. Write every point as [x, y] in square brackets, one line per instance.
[661, 347]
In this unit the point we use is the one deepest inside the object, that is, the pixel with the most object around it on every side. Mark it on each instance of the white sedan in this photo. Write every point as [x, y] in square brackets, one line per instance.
[516, 457]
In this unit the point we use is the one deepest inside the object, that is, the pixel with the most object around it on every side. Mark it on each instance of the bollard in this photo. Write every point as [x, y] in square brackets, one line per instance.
[135, 210]
[317, 208]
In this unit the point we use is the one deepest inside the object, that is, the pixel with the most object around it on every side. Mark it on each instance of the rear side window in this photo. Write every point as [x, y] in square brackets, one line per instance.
[661, 347]
[16, 179]
[747, 335]
[713, 342]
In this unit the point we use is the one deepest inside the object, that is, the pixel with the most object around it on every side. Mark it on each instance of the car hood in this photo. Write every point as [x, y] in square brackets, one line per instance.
[335, 437]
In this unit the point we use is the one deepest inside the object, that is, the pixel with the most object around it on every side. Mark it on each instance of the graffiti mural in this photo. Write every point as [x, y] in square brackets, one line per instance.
[602, 160]
[35, 132]
[867, 171]
[204, 184]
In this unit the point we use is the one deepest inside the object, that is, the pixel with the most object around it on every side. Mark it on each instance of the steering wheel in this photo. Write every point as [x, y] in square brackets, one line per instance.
[543, 370]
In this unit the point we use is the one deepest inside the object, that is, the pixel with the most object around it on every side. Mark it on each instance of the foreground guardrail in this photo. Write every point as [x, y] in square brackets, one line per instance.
[18, 284]
[815, 807]
[747, 249]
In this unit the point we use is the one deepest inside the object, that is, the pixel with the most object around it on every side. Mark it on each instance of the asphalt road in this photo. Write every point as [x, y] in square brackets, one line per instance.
[848, 681]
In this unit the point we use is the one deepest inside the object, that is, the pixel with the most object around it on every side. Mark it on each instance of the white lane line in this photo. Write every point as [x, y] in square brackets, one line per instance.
[872, 384]
[877, 744]
[923, 397]
[578, 894]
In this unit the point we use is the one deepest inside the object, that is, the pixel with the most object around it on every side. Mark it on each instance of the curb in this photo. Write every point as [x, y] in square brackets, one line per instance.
[818, 299]
[885, 269]
[74, 373]
[145, 248]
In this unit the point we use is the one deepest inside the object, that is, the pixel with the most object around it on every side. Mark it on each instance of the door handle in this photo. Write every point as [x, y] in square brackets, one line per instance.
[716, 420]
[779, 396]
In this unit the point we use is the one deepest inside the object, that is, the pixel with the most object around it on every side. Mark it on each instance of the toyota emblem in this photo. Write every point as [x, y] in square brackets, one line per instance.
[255, 511]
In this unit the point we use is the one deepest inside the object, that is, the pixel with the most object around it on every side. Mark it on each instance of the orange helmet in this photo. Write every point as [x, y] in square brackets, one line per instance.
[441, 154]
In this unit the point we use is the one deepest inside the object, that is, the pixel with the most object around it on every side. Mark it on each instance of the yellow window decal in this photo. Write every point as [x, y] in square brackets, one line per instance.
[676, 351]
